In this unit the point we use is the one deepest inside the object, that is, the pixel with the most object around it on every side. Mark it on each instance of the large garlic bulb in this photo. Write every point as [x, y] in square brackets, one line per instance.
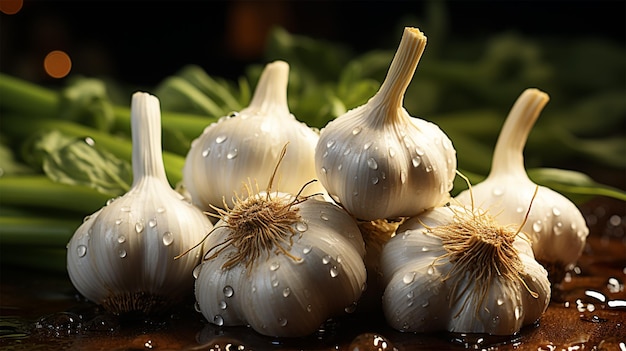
[122, 256]
[455, 269]
[281, 265]
[244, 146]
[377, 160]
[556, 227]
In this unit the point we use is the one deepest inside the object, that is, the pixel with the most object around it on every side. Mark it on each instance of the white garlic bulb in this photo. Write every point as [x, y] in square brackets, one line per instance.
[455, 269]
[281, 265]
[243, 146]
[376, 160]
[556, 227]
[122, 256]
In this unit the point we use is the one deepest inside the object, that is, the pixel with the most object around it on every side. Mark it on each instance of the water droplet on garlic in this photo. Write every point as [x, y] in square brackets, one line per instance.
[228, 291]
[81, 250]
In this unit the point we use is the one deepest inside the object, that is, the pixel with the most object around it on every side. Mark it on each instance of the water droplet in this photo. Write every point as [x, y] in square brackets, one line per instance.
[309, 308]
[537, 226]
[410, 295]
[419, 151]
[160, 210]
[518, 312]
[139, 227]
[520, 209]
[324, 216]
[371, 163]
[325, 154]
[274, 266]
[347, 151]
[367, 145]
[228, 291]
[430, 270]
[302, 227]
[392, 152]
[498, 191]
[356, 130]
[408, 278]
[500, 301]
[118, 221]
[326, 259]
[425, 304]
[323, 169]
[402, 177]
[307, 249]
[282, 322]
[121, 253]
[425, 249]
[81, 250]
[340, 166]
[351, 307]
[168, 238]
[334, 272]
[196, 271]
[206, 152]
[152, 223]
[196, 306]
[416, 161]
[375, 180]
[121, 239]
[232, 154]
[220, 139]
[558, 228]
[286, 292]
[222, 305]
[218, 320]
[429, 169]
[275, 282]
[125, 209]
[495, 320]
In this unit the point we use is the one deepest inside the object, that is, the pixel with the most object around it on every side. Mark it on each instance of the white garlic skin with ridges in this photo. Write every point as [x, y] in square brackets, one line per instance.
[280, 296]
[556, 227]
[245, 145]
[376, 160]
[122, 256]
[418, 291]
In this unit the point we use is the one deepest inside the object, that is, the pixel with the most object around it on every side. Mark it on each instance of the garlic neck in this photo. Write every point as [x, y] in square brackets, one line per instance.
[508, 157]
[147, 156]
[270, 95]
[391, 93]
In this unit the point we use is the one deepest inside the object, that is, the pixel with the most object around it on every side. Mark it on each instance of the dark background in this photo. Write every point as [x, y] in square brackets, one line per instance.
[141, 42]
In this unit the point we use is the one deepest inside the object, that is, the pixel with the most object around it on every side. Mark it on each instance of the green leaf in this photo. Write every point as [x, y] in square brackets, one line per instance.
[577, 186]
[74, 161]
[86, 101]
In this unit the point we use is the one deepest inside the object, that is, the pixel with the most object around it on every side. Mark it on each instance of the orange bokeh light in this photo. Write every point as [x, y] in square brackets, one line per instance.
[57, 64]
[11, 7]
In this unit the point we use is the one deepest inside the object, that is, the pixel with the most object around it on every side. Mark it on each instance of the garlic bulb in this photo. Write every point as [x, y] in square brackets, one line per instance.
[455, 269]
[556, 227]
[281, 264]
[122, 256]
[377, 160]
[241, 146]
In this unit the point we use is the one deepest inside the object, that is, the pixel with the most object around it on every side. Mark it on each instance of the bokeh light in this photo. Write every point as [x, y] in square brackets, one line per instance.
[11, 7]
[57, 64]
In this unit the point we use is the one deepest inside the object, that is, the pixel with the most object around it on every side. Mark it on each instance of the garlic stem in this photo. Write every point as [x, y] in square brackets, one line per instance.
[390, 96]
[508, 156]
[146, 135]
[270, 96]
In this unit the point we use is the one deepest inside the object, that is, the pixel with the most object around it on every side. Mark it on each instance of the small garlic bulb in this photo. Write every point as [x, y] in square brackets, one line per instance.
[282, 265]
[556, 227]
[376, 160]
[240, 147]
[122, 256]
[455, 269]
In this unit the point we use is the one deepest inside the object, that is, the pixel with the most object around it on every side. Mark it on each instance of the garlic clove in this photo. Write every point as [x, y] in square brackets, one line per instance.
[456, 269]
[122, 256]
[239, 147]
[555, 226]
[376, 160]
[280, 294]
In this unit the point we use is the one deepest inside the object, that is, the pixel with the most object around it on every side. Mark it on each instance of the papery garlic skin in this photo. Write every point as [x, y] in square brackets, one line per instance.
[287, 296]
[555, 226]
[377, 160]
[421, 296]
[122, 256]
[244, 146]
